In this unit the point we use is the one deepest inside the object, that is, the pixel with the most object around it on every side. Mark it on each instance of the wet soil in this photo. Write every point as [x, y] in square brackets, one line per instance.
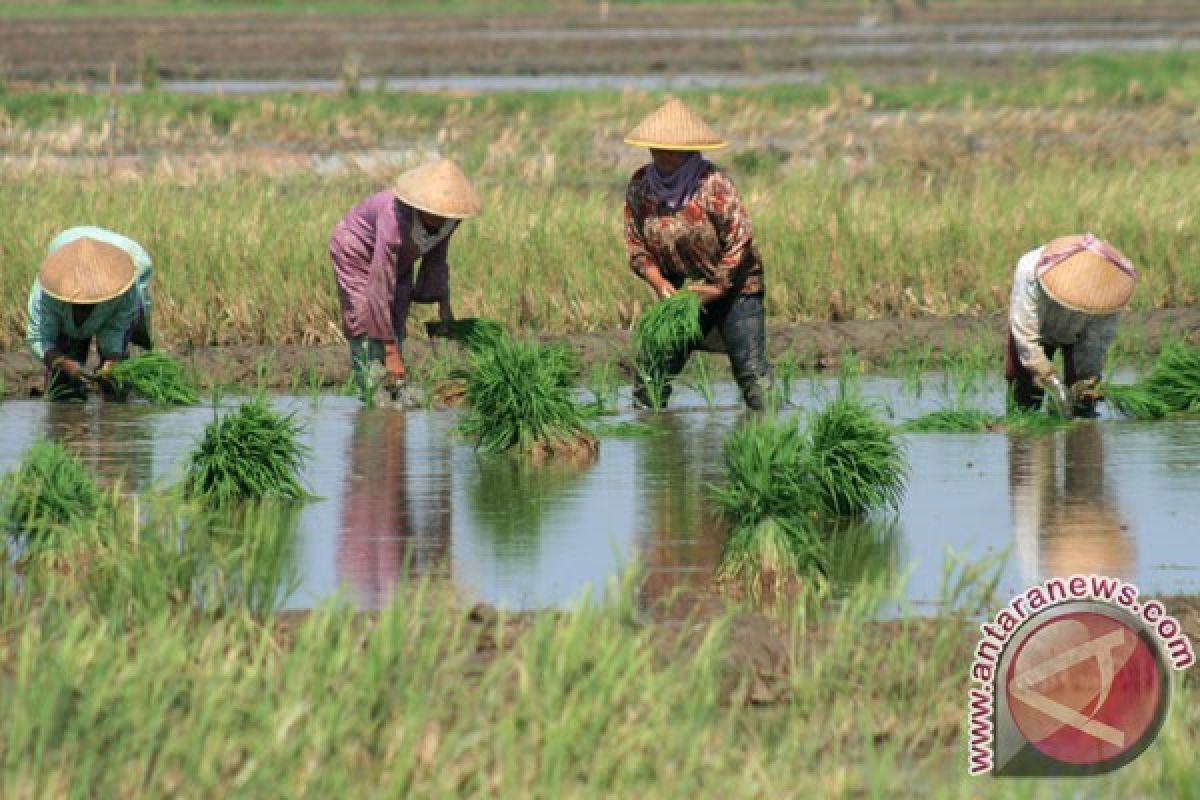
[620, 39]
[811, 345]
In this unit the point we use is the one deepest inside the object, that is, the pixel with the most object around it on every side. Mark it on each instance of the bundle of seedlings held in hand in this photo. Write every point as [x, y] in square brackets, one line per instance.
[519, 400]
[782, 482]
[155, 377]
[248, 454]
[668, 327]
[48, 493]
[1172, 387]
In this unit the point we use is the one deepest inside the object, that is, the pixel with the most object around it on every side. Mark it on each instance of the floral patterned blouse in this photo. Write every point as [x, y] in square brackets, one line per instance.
[707, 239]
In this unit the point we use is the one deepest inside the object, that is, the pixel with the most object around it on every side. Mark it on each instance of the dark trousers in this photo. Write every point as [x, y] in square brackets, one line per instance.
[1025, 393]
[61, 386]
[741, 321]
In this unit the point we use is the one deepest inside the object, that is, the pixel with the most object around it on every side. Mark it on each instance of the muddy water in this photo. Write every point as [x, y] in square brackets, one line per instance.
[399, 492]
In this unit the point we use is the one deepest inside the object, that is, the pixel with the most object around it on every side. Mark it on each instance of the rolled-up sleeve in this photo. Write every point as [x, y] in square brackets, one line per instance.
[640, 258]
[1024, 318]
[732, 222]
[42, 326]
[1092, 348]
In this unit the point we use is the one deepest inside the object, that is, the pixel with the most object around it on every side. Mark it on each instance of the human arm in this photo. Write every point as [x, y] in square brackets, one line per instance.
[1025, 321]
[641, 260]
[433, 281]
[735, 235]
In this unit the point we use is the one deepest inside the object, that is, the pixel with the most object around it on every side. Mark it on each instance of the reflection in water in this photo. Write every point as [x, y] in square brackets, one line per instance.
[387, 528]
[510, 500]
[684, 534]
[115, 440]
[862, 550]
[1066, 521]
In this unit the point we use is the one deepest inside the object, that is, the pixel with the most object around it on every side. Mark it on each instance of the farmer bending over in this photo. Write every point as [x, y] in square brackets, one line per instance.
[1067, 295]
[374, 249]
[686, 227]
[94, 283]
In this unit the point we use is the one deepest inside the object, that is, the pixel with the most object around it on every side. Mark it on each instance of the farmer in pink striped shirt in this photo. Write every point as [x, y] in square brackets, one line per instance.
[375, 249]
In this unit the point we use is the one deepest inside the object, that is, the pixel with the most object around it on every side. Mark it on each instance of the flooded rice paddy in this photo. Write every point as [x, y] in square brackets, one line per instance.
[400, 494]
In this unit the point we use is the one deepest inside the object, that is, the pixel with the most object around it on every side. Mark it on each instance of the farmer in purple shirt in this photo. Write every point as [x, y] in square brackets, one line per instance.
[374, 251]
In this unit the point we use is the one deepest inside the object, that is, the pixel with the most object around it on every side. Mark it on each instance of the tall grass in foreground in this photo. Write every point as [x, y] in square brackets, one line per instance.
[519, 398]
[155, 377]
[134, 694]
[251, 453]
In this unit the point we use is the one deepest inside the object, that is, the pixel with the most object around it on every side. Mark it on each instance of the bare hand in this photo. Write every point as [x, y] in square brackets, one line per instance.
[706, 292]
[68, 366]
[393, 362]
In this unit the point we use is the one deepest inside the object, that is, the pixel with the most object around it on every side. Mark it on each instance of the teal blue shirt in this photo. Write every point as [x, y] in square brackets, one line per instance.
[50, 319]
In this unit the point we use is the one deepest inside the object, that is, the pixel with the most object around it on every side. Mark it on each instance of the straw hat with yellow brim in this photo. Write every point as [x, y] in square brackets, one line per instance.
[674, 126]
[440, 188]
[87, 271]
[1086, 281]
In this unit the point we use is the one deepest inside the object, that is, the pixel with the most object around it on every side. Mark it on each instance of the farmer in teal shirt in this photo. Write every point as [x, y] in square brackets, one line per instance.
[93, 284]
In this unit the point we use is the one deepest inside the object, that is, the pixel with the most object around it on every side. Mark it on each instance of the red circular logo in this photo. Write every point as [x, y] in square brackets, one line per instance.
[1085, 688]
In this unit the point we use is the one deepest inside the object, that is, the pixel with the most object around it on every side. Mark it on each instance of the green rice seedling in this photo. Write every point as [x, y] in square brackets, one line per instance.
[248, 454]
[667, 327]
[156, 377]
[765, 462]
[1034, 421]
[854, 460]
[774, 559]
[954, 420]
[786, 368]
[602, 382]
[472, 333]
[1173, 386]
[701, 380]
[519, 398]
[626, 429]
[49, 492]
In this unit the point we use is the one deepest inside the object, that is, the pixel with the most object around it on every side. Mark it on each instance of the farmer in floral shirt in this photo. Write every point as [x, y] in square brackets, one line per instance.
[686, 228]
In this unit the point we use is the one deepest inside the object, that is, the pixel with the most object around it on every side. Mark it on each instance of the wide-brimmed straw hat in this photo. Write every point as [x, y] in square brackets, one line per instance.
[87, 271]
[1087, 281]
[438, 187]
[674, 126]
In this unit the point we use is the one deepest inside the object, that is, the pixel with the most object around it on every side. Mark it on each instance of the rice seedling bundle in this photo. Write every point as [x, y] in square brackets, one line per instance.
[473, 333]
[954, 420]
[156, 377]
[668, 326]
[1172, 387]
[251, 453]
[519, 397]
[50, 488]
[855, 462]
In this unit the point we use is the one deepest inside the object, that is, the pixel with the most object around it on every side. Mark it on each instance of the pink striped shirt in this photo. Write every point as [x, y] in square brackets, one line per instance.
[374, 258]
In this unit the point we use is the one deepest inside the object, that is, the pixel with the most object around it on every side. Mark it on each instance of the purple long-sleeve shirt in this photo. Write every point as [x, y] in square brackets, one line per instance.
[373, 258]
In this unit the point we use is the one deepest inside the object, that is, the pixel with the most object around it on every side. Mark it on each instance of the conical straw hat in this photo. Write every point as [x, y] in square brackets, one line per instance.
[1086, 281]
[87, 271]
[438, 187]
[674, 126]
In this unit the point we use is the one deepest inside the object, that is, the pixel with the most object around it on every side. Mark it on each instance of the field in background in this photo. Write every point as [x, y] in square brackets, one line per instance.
[868, 201]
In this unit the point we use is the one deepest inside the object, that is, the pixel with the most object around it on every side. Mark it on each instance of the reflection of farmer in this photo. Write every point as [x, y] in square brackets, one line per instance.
[385, 530]
[93, 284]
[1067, 295]
[374, 249]
[686, 227]
[1070, 526]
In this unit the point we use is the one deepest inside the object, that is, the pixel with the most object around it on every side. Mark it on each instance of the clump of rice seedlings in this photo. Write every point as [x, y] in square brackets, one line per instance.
[854, 461]
[1172, 387]
[625, 429]
[668, 326]
[472, 333]
[519, 398]
[248, 454]
[1033, 421]
[50, 491]
[954, 420]
[155, 377]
